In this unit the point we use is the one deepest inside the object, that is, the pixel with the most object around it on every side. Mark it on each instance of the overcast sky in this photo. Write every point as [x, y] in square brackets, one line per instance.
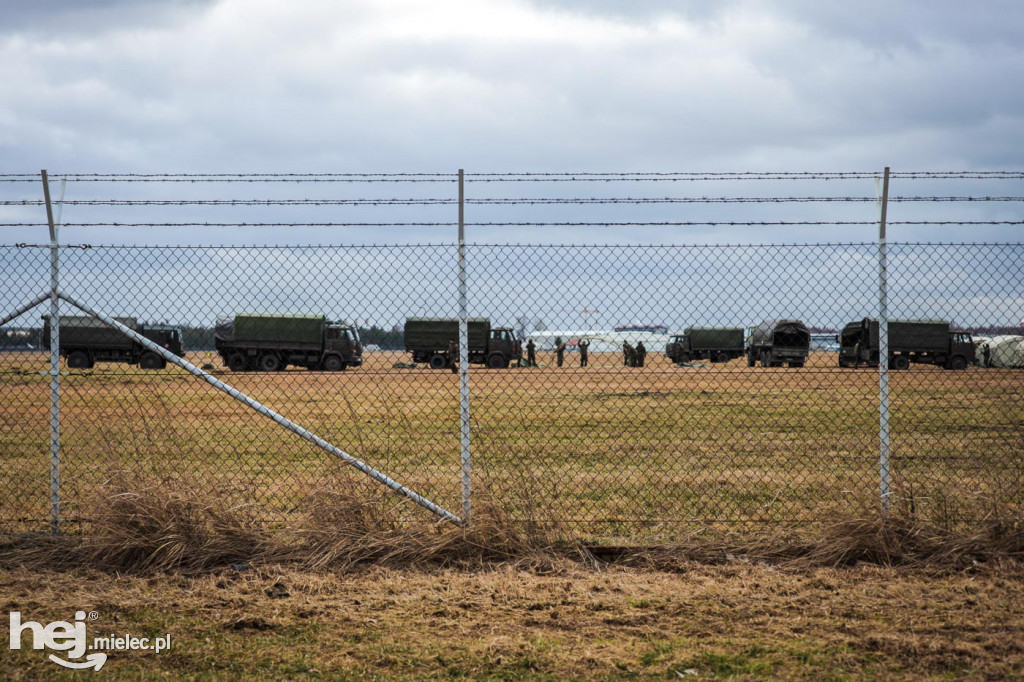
[503, 85]
[266, 86]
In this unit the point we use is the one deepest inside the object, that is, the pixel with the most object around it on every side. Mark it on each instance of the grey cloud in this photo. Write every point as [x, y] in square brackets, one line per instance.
[695, 10]
[87, 16]
[915, 23]
[638, 86]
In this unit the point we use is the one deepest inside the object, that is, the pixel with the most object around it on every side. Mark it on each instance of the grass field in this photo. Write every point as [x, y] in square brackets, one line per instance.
[618, 454]
[556, 621]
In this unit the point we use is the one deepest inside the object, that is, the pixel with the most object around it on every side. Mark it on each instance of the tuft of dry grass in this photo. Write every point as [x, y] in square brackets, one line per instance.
[138, 525]
[358, 524]
[903, 542]
[875, 540]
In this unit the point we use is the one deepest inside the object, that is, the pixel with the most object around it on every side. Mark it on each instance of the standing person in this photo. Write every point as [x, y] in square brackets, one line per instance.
[628, 354]
[584, 347]
[986, 353]
[641, 354]
[559, 350]
[453, 353]
[531, 353]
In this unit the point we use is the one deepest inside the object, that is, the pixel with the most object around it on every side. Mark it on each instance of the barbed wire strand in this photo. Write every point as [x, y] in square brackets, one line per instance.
[510, 177]
[689, 223]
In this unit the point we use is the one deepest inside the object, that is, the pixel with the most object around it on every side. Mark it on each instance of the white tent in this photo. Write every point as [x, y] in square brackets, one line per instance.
[601, 341]
[1004, 351]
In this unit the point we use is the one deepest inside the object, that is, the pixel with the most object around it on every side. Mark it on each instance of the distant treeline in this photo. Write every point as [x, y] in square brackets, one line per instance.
[387, 339]
[20, 338]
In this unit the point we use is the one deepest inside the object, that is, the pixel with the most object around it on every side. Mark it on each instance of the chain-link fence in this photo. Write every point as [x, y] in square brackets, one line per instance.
[635, 392]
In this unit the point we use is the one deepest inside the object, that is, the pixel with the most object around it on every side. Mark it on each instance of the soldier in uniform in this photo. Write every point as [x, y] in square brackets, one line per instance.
[453, 354]
[641, 354]
[629, 354]
[559, 350]
[531, 353]
[584, 347]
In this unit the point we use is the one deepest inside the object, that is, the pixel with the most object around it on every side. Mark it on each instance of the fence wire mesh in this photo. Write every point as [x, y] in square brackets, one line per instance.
[633, 392]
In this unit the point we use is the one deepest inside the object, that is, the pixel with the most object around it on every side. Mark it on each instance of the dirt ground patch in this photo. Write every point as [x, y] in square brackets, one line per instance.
[551, 620]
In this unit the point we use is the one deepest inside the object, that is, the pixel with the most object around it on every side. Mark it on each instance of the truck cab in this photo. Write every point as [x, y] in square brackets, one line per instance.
[961, 350]
[503, 347]
[852, 346]
[678, 349]
[166, 337]
[343, 339]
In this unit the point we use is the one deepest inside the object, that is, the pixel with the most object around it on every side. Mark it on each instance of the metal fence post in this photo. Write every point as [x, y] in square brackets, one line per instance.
[54, 365]
[464, 430]
[883, 351]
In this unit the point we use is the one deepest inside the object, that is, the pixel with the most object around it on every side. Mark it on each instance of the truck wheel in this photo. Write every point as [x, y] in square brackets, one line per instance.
[236, 363]
[332, 363]
[901, 362]
[766, 359]
[269, 363]
[78, 359]
[495, 361]
[150, 361]
[958, 362]
[438, 361]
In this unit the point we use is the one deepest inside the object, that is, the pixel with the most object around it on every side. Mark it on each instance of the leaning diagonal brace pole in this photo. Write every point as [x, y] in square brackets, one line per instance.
[267, 412]
[25, 308]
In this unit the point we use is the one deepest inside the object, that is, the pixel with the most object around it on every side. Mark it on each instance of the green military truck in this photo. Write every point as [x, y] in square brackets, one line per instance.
[428, 339]
[929, 342]
[717, 344]
[84, 341]
[775, 342]
[269, 342]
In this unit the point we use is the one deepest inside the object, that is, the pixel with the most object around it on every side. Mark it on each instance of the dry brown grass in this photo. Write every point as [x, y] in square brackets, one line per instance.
[360, 587]
[890, 542]
[145, 526]
[736, 620]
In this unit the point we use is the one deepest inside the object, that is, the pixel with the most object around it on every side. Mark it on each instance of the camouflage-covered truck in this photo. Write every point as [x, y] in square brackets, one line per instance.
[717, 344]
[429, 338]
[777, 342]
[269, 342]
[84, 341]
[929, 342]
